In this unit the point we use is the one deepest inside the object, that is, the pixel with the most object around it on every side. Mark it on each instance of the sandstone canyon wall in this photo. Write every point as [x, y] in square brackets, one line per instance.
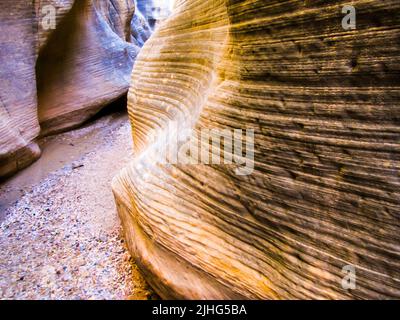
[19, 124]
[325, 192]
[54, 78]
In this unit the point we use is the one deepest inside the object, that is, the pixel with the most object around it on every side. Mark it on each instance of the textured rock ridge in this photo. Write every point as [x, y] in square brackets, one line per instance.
[324, 194]
[55, 79]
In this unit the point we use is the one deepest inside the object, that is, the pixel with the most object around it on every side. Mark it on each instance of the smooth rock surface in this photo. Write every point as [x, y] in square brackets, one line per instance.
[89, 68]
[56, 79]
[325, 191]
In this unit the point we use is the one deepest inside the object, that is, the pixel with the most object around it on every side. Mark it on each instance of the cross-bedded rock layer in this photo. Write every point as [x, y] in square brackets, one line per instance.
[324, 104]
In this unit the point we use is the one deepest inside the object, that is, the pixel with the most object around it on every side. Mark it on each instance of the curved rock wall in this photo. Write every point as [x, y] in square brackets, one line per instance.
[58, 78]
[89, 68]
[324, 194]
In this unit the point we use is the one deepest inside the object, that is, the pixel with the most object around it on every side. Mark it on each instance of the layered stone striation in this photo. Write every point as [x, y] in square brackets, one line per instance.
[325, 192]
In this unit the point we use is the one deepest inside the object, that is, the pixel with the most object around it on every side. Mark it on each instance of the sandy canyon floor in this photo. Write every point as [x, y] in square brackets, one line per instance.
[60, 235]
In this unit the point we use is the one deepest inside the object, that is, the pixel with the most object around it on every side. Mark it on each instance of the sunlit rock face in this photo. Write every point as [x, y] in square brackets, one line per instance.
[324, 194]
[56, 76]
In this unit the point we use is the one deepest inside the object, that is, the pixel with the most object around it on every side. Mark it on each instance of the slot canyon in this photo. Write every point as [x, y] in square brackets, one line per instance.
[200, 150]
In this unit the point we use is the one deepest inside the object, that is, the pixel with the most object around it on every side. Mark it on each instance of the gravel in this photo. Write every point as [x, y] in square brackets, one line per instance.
[62, 240]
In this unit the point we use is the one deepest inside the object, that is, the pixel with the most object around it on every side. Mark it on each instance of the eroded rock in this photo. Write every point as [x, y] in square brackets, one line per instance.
[54, 79]
[19, 124]
[90, 67]
[324, 194]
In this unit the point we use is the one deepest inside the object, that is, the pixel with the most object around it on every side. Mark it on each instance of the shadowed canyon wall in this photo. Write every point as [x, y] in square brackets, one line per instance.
[155, 11]
[55, 77]
[325, 192]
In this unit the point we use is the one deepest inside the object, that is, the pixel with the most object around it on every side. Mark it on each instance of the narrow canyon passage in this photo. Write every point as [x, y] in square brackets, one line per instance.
[61, 239]
[67, 65]
[256, 155]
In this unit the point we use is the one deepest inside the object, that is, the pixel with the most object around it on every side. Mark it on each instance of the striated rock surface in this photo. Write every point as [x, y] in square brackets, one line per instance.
[19, 124]
[56, 76]
[325, 191]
